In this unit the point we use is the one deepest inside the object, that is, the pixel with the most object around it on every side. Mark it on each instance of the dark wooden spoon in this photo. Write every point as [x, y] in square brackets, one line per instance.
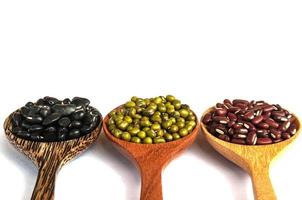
[49, 157]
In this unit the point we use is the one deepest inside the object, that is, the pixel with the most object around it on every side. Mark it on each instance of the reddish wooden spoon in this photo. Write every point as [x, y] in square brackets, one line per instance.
[150, 159]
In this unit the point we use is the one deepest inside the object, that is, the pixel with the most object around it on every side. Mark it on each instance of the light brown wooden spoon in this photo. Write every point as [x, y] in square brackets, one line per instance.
[254, 159]
[49, 157]
[150, 159]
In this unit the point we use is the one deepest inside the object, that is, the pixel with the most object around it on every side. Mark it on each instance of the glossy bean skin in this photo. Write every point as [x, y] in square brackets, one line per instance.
[250, 122]
[52, 120]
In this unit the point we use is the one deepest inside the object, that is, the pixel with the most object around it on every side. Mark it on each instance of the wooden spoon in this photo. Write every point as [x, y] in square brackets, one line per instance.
[150, 159]
[49, 157]
[254, 159]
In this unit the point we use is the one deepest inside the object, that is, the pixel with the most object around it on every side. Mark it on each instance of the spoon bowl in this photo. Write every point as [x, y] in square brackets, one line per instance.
[150, 159]
[254, 159]
[49, 157]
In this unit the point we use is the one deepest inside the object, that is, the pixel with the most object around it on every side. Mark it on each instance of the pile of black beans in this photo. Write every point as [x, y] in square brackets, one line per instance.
[50, 120]
[251, 123]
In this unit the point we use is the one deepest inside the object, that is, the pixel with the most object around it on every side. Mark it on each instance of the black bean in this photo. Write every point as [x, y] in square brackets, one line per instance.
[80, 102]
[64, 122]
[51, 100]
[23, 134]
[25, 125]
[35, 128]
[36, 137]
[51, 118]
[64, 109]
[51, 129]
[15, 130]
[75, 124]
[50, 136]
[87, 119]
[45, 111]
[74, 133]
[34, 119]
[78, 115]
[16, 117]
[62, 136]
[24, 111]
[41, 102]
[67, 101]
[47, 119]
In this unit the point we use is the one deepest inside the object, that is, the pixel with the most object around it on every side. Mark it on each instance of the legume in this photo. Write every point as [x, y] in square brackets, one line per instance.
[50, 120]
[151, 120]
[251, 123]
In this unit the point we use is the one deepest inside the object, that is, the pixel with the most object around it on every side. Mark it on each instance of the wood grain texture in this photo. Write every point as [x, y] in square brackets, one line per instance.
[150, 159]
[49, 157]
[255, 159]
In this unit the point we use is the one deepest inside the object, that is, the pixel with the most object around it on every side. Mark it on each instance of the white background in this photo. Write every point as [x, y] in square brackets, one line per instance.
[107, 51]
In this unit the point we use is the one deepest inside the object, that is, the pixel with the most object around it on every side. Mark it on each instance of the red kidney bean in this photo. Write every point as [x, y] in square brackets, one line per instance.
[241, 131]
[257, 119]
[249, 115]
[231, 123]
[224, 137]
[285, 135]
[284, 126]
[207, 118]
[251, 138]
[278, 113]
[221, 120]
[262, 141]
[231, 131]
[238, 141]
[242, 106]
[219, 105]
[250, 122]
[227, 101]
[234, 110]
[266, 115]
[249, 126]
[241, 136]
[232, 116]
[219, 131]
[292, 129]
[268, 108]
[271, 123]
[241, 101]
[275, 134]
[263, 125]
[278, 140]
[221, 111]
[237, 126]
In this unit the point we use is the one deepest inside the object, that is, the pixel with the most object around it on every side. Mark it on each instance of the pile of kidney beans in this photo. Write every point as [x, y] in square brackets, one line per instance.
[252, 123]
[50, 120]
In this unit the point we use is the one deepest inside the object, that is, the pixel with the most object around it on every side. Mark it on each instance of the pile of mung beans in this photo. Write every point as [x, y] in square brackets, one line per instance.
[151, 120]
[250, 122]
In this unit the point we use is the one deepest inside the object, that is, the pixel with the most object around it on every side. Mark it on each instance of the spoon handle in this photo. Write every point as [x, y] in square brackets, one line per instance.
[151, 188]
[263, 188]
[45, 184]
